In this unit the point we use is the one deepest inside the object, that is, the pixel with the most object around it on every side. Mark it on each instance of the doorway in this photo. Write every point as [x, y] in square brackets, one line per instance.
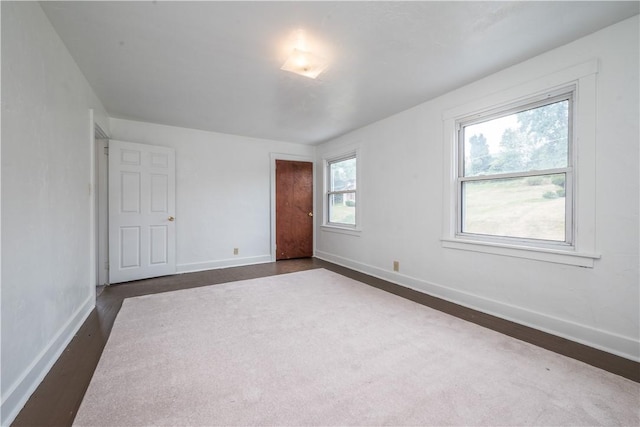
[293, 209]
[101, 210]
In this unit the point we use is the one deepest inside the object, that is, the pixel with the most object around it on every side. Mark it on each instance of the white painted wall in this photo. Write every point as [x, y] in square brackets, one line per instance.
[47, 284]
[223, 195]
[402, 195]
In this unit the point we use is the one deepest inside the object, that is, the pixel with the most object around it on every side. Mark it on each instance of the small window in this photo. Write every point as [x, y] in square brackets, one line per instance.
[341, 191]
[515, 173]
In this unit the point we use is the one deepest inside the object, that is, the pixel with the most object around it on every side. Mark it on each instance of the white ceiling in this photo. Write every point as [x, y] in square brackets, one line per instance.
[216, 65]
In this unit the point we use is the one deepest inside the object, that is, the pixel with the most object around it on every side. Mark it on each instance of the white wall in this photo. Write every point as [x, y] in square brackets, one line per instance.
[223, 197]
[47, 288]
[402, 197]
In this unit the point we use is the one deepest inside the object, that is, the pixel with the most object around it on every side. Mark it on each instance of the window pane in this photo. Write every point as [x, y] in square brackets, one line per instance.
[531, 207]
[343, 175]
[534, 139]
[342, 208]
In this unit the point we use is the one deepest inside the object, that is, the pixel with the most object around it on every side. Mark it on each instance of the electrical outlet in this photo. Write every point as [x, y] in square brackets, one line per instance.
[235, 251]
[396, 265]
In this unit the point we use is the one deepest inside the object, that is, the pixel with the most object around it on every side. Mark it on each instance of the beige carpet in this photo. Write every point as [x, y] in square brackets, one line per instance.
[317, 348]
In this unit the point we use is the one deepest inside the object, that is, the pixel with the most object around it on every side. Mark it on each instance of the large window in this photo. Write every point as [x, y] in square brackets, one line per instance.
[341, 191]
[515, 172]
[519, 169]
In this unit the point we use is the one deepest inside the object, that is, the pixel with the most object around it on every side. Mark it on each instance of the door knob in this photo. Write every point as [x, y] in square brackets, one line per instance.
[310, 214]
[171, 218]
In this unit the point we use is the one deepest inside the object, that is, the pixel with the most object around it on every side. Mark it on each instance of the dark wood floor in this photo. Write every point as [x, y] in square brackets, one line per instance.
[57, 399]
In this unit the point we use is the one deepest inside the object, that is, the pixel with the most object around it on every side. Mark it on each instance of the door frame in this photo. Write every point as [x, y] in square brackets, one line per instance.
[102, 210]
[294, 158]
[97, 135]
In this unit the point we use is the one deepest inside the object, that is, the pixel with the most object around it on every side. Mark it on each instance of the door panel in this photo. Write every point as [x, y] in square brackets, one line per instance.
[130, 192]
[129, 247]
[294, 209]
[141, 209]
[159, 193]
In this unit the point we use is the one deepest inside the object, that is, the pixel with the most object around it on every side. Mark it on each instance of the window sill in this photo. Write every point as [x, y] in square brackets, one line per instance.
[342, 230]
[580, 259]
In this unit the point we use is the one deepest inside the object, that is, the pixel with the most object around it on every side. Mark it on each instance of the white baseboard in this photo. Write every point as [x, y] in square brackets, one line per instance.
[223, 263]
[14, 400]
[619, 345]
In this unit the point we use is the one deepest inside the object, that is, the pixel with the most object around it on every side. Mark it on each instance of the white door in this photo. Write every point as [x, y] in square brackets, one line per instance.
[141, 211]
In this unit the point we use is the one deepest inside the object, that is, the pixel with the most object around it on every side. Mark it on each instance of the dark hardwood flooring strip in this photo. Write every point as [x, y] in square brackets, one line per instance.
[56, 401]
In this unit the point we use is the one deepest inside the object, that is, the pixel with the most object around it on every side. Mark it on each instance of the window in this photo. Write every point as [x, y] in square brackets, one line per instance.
[520, 169]
[515, 173]
[341, 191]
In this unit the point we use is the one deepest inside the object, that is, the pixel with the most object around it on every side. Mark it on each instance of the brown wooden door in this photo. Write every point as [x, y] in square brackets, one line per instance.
[294, 209]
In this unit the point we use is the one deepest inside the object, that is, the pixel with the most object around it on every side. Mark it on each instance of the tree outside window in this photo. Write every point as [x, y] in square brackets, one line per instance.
[341, 194]
[515, 169]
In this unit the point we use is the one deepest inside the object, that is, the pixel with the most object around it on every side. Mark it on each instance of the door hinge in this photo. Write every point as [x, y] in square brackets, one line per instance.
[106, 150]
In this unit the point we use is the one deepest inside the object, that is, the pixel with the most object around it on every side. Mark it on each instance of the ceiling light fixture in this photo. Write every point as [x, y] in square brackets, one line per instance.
[305, 64]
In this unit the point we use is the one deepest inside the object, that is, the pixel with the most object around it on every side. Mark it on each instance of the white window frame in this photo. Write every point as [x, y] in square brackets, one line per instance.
[353, 229]
[579, 248]
[563, 94]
